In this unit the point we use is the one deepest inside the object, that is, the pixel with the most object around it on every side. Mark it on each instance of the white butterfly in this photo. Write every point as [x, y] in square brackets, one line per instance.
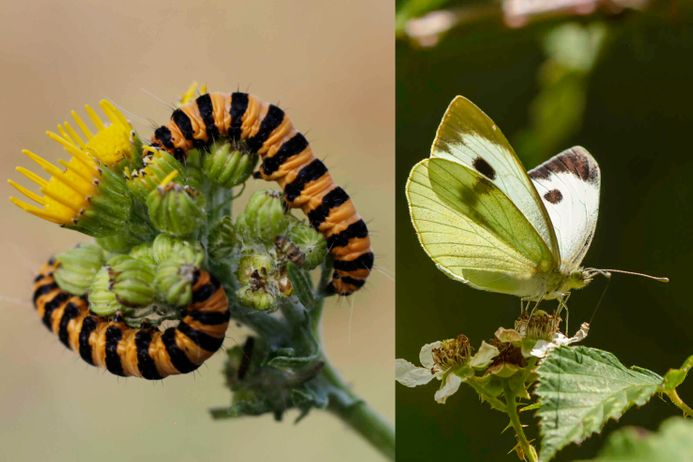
[487, 223]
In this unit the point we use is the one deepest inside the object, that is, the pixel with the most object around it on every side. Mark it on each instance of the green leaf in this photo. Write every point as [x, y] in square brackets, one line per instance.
[675, 377]
[240, 409]
[580, 389]
[303, 286]
[292, 362]
[671, 443]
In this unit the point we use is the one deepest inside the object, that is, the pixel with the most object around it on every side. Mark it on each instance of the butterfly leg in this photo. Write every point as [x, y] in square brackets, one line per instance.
[563, 305]
[523, 306]
[536, 305]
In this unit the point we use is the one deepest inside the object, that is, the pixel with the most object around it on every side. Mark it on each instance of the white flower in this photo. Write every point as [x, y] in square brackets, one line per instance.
[444, 360]
[542, 348]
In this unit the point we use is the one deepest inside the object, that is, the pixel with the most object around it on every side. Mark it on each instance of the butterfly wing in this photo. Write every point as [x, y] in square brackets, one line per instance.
[466, 135]
[474, 232]
[569, 186]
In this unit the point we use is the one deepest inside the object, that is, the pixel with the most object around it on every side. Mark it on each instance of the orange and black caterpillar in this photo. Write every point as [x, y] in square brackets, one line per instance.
[145, 352]
[287, 159]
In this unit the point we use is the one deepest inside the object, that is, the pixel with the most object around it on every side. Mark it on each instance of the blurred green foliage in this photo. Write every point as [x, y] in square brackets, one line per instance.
[633, 111]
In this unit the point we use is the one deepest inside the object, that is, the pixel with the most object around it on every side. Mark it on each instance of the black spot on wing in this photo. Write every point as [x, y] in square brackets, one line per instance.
[484, 168]
[554, 196]
[574, 160]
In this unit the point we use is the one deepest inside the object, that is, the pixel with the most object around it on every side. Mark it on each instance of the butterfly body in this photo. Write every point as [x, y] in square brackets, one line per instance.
[488, 223]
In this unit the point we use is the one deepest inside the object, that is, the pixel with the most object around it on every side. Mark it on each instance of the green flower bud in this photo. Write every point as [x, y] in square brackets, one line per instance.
[116, 243]
[263, 218]
[255, 267]
[257, 275]
[132, 281]
[228, 167]
[175, 209]
[134, 232]
[222, 239]
[255, 298]
[109, 208]
[143, 252]
[102, 301]
[309, 242]
[78, 267]
[166, 247]
[173, 281]
[158, 164]
[193, 169]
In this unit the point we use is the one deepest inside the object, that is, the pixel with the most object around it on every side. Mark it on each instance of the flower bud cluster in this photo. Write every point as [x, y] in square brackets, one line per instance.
[227, 166]
[269, 240]
[176, 209]
[77, 268]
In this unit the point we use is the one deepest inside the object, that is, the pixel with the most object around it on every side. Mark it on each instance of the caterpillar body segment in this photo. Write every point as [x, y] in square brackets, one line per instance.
[141, 352]
[287, 158]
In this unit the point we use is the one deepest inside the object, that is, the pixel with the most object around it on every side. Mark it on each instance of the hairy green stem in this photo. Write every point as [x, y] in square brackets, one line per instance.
[527, 450]
[494, 402]
[344, 404]
[300, 329]
[358, 415]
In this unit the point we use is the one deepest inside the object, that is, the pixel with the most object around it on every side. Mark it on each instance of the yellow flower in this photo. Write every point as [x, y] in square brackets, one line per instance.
[191, 93]
[110, 144]
[69, 192]
[65, 194]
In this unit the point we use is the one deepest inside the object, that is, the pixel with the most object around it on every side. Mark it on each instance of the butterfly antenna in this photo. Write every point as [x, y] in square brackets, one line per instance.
[607, 273]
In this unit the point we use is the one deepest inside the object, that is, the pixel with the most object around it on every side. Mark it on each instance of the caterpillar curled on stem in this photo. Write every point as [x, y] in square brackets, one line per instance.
[287, 158]
[140, 352]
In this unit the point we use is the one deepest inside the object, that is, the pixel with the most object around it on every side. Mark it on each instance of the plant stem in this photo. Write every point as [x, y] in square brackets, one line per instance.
[528, 451]
[678, 402]
[343, 403]
[495, 403]
[358, 415]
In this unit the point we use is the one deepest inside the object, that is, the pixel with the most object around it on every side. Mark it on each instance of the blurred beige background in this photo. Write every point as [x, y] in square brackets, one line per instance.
[331, 67]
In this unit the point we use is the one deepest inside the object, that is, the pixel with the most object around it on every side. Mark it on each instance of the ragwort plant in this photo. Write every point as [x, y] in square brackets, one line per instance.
[168, 251]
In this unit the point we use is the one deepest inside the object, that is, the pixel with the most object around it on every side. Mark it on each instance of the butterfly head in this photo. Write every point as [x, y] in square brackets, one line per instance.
[576, 279]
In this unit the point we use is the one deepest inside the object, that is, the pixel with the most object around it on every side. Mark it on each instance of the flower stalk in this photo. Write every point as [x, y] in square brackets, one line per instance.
[678, 402]
[524, 448]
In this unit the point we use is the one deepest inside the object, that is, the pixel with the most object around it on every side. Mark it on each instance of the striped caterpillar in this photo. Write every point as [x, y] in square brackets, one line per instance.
[287, 159]
[145, 352]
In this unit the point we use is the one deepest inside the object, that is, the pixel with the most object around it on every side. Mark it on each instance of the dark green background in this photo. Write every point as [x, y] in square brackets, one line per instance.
[638, 124]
